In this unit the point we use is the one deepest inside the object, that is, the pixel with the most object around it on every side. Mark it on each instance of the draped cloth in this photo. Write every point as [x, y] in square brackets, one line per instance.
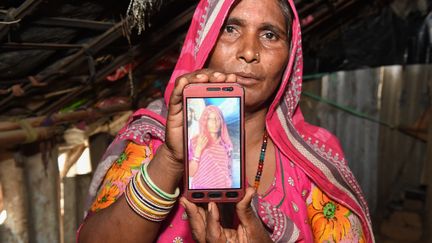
[216, 155]
[312, 149]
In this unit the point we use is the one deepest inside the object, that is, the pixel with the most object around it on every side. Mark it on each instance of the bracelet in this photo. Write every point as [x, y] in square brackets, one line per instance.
[162, 203]
[145, 205]
[141, 211]
[156, 189]
[137, 198]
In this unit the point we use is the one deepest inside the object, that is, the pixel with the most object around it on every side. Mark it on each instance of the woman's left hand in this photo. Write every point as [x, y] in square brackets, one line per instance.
[205, 225]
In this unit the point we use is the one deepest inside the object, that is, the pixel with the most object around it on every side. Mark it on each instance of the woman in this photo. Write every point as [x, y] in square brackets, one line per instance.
[211, 151]
[305, 191]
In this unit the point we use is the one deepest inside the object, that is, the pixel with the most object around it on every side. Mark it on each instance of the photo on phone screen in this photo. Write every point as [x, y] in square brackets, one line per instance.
[213, 137]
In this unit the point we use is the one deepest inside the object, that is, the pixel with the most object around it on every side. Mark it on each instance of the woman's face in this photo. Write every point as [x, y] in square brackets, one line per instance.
[254, 45]
[213, 123]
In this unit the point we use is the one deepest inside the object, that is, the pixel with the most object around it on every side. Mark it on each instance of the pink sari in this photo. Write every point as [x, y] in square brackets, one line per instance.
[306, 155]
[215, 155]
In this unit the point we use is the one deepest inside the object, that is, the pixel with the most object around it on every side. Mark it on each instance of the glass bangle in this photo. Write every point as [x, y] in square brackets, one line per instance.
[155, 188]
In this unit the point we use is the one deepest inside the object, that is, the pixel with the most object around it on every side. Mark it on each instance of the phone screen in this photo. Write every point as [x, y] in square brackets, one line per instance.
[213, 137]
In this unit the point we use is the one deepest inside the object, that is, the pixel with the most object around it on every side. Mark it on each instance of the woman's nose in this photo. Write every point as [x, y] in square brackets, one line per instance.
[249, 49]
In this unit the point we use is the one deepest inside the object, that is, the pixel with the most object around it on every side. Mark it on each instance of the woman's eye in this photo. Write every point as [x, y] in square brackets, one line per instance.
[229, 29]
[270, 36]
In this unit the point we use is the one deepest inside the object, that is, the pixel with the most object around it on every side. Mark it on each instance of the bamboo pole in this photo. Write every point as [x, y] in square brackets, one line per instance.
[70, 218]
[72, 157]
[43, 189]
[75, 192]
[33, 134]
[15, 228]
[64, 117]
[11, 138]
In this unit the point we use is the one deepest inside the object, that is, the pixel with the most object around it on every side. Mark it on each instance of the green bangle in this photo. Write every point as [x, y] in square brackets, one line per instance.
[156, 189]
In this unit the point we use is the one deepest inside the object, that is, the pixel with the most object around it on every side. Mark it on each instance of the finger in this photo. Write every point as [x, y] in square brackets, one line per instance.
[241, 234]
[196, 219]
[231, 235]
[191, 209]
[217, 77]
[214, 229]
[199, 76]
[231, 78]
[176, 98]
[244, 209]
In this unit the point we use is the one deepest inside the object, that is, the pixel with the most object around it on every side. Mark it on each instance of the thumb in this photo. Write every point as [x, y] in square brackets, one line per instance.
[196, 218]
[244, 209]
[214, 230]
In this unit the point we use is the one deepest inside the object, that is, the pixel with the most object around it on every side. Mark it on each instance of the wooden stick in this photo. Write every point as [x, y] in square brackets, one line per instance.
[10, 138]
[64, 117]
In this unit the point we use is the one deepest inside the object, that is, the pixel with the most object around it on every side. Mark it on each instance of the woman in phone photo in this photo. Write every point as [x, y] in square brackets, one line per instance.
[300, 186]
[210, 164]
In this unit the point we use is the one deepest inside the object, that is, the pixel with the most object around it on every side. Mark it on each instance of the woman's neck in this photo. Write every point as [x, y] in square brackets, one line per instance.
[254, 126]
[214, 136]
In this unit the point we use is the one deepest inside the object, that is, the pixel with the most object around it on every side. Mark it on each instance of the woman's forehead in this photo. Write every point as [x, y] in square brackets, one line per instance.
[212, 114]
[259, 12]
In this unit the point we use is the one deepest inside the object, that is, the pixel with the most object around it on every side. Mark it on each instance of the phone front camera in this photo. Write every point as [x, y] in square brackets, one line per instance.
[228, 89]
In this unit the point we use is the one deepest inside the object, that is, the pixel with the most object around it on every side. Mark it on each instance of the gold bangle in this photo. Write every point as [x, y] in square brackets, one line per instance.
[140, 212]
[145, 208]
[154, 199]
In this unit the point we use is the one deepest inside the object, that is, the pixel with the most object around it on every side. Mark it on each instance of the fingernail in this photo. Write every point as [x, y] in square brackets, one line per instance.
[217, 74]
[182, 203]
[200, 76]
[232, 77]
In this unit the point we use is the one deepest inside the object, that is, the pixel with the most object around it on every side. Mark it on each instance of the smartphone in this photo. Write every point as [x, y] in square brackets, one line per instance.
[214, 142]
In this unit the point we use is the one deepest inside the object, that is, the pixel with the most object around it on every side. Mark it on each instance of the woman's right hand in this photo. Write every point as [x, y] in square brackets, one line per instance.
[169, 157]
[201, 143]
[174, 127]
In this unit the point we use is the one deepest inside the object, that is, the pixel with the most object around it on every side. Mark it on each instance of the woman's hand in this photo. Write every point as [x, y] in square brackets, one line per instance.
[253, 229]
[174, 127]
[169, 157]
[205, 225]
[201, 143]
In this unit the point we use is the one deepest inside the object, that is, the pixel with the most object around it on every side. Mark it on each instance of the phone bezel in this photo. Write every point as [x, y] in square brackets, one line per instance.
[214, 90]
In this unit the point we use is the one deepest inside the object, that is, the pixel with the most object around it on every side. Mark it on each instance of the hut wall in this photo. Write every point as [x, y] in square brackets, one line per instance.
[402, 157]
[14, 229]
[42, 179]
[359, 137]
[428, 224]
[384, 160]
[75, 188]
[98, 144]
[75, 192]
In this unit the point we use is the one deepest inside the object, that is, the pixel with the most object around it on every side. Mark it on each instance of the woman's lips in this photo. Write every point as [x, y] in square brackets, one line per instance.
[246, 79]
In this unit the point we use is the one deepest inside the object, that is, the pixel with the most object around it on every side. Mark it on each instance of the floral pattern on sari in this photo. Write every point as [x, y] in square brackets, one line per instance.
[331, 221]
[121, 171]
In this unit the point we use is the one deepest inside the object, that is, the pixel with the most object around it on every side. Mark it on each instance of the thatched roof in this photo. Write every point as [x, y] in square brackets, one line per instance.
[64, 56]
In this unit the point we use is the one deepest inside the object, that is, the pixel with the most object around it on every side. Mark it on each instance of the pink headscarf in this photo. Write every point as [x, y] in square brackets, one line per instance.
[224, 135]
[312, 148]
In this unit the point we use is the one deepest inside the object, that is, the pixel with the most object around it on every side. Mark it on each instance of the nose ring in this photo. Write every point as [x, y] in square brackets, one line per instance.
[257, 55]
